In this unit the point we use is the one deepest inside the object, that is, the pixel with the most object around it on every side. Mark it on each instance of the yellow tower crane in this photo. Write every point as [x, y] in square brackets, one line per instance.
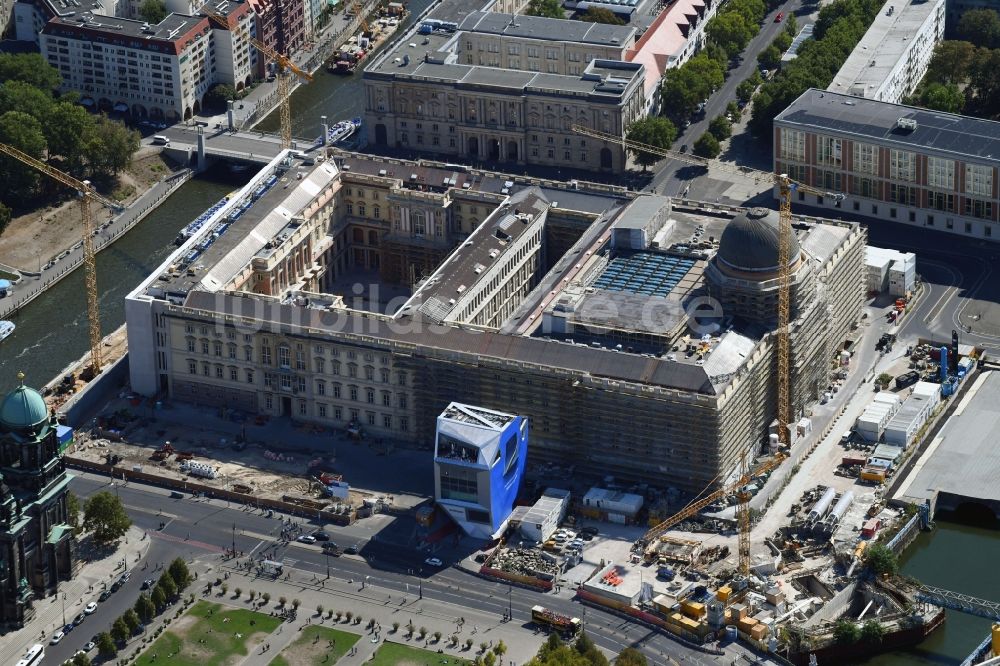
[785, 188]
[285, 65]
[87, 194]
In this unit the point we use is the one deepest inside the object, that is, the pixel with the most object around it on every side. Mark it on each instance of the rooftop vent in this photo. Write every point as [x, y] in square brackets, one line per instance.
[906, 124]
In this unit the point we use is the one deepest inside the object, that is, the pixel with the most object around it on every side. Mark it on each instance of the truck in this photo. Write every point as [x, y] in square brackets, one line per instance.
[564, 623]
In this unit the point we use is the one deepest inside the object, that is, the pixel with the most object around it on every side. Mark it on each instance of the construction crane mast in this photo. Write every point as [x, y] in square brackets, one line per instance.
[87, 195]
[783, 409]
[285, 70]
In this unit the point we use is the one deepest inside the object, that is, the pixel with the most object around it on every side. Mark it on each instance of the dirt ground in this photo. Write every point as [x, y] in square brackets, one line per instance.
[31, 240]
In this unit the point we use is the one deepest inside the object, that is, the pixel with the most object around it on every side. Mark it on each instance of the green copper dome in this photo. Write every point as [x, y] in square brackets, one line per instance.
[23, 407]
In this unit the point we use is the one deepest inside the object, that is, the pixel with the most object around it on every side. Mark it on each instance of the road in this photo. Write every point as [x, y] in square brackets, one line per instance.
[204, 529]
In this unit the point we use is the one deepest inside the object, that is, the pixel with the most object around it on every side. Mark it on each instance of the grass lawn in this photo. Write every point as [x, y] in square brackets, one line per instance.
[208, 635]
[313, 647]
[396, 654]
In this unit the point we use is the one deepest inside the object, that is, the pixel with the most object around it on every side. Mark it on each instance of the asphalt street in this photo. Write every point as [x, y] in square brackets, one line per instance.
[197, 528]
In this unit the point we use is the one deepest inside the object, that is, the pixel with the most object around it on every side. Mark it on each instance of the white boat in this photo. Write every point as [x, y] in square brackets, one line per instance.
[6, 328]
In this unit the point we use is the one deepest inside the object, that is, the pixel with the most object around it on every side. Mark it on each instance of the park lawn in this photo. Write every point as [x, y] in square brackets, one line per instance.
[313, 647]
[181, 644]
[397, 654]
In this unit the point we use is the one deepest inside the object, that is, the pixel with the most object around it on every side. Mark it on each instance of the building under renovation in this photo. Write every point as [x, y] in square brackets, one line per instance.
[635, 336]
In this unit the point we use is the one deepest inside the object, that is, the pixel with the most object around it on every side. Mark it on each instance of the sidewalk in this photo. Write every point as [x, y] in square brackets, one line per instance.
[79, 591]
[106, 234]
[385, 608]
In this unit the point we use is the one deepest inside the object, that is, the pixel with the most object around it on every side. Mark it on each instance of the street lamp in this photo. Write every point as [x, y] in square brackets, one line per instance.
[64, 608]
[510, 604]
[327, 553]
[234, 538]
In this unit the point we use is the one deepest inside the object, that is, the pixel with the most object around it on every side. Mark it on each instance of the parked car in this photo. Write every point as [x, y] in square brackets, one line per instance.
[321, 535]
[78, 620]
[117, 586]
[433, 561]
[306, 538]
[351, 550]
[105, 595]
[67, 628]
[56, 637]
[148, 584]
[90, 645]
[90, 608]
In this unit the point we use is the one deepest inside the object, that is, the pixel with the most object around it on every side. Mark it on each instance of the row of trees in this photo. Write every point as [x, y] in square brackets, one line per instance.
[51, 127]
[147, 606]
[736, 23]
[582, 652]
[837, 31]
[964, 75]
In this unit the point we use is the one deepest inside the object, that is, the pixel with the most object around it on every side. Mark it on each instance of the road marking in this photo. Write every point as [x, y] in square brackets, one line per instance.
[940, 303]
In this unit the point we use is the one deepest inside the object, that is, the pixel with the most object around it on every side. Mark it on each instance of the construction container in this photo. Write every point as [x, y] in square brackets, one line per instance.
[996, 638]
[723, 593]
[739, 611]
[693, 609]
[746, 624]
[758, 631]
[774, 595]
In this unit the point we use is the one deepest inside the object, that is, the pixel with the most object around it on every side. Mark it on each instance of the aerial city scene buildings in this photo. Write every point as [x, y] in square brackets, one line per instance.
[498, 331]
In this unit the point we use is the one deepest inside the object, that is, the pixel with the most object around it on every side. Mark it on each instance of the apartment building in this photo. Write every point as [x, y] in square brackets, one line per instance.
[432, 99]
[893, 163]
[892, 57]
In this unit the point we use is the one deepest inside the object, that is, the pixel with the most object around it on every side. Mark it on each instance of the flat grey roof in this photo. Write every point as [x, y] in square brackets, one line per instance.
[963, 459]
[886, 41]
[949, 133]
[409, 331]
[548, 29]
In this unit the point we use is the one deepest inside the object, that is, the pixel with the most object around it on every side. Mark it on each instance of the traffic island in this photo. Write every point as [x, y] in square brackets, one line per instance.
[317, 646]
[396, 654]
[209, 634]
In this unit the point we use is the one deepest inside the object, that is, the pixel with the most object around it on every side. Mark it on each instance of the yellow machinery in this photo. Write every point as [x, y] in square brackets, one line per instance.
[785, 187]
[87, 194]
[285, 66]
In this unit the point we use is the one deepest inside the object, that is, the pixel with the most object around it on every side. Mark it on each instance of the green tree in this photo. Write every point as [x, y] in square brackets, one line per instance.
[119, 630]
[586, 648]
[880, 559]
[601, 15]
[64, 130]
[158, 597]
[489, 659]
[108, 147]
[219, 94]
[729, 30]
[81, 660]
[105, 515]
[942, 97]
[791, 25]
[846, 631]
[630, 657]
[652, 131]
[783, 41]
[500, 649]
[152, 11]
[720, 128]
[31, 68]
[951, 62]
[106, 645]
[706, 146]
[179, 573]
[72, 510]
[21, 96]
[872, 631]
[984, 84]
[752, 11]
[145, 608]
[746, 87]
[549, 8]
[167, 584]
[132, 620]
[770, 57]
[4, 217]
[20, 130]
[981, 27]
[685, 86]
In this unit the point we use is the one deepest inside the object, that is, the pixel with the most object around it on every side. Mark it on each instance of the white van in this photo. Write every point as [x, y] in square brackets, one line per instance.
[160, 140]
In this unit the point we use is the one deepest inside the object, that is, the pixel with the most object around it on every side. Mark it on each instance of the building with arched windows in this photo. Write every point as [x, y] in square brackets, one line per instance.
[37, 544]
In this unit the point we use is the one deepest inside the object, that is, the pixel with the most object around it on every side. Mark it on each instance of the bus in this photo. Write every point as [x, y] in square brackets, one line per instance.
[33, 656]
[563, 623]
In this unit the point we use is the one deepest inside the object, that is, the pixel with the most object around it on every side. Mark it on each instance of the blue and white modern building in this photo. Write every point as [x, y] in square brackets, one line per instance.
[479, 457]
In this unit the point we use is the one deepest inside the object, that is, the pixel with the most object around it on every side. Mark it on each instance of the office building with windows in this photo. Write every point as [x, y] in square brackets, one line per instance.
[892, 162]
[506, 88]
[479, 457]
[892, 57]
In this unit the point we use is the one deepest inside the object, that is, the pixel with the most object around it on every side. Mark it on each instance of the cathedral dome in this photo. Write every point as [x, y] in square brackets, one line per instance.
[23, 408]
[749, 243]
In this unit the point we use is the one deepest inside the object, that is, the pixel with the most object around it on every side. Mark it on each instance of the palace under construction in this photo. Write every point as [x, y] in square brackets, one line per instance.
[635, 332]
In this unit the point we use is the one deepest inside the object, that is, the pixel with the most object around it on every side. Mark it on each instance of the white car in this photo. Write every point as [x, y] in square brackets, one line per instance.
[307, 538]
[90, 608]
[56, 637]
[433, 561]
